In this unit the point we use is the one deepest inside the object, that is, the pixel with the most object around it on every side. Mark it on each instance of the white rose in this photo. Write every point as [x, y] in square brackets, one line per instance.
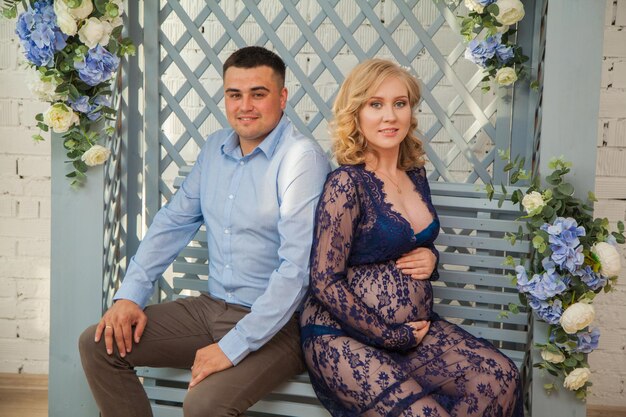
[115, 22]
[510, 11]
[610, 259]
[65, 20]
[502, 29]
[60, 118]
[82, 11]
[45, 90]
[532, 201]
[576, 378]
[96, 155]
[474, 6]
[95, 31]
[552, 357]
[576, 317]
[506, 76]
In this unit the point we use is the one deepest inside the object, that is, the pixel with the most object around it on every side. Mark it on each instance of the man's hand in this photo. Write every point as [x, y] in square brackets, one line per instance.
[419, 263]
[209, 360]
[118, 322]
[420, 328]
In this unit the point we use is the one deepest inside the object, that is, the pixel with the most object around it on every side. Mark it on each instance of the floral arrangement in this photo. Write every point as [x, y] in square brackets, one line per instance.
[489, 29]
[574, 258]
[74, 47]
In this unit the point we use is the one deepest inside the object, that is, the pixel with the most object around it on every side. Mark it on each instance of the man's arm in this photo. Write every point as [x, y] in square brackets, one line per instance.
[173, 227]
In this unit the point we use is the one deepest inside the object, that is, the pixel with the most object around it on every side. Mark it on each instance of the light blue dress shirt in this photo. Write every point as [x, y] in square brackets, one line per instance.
[259, 211]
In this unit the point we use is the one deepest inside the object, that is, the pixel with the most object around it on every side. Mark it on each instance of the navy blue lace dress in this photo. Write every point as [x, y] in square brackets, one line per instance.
[362, 356]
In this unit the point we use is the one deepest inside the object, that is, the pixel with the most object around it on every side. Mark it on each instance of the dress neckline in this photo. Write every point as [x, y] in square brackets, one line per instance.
[390, 207]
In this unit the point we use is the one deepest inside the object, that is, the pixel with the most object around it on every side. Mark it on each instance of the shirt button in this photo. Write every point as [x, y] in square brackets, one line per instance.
[231, 197]
[241, 163]
[227, 266]
[226, 231]
[229, 295]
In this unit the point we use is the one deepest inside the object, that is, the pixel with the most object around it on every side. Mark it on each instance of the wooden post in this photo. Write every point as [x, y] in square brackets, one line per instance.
[571, 100]
[75, 284]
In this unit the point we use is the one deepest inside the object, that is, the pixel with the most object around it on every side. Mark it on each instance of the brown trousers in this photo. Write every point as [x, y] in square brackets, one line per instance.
[175, 331]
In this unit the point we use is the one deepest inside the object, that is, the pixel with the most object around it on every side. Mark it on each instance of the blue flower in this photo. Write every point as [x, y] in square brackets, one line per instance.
[92, 110]
[39, 34]
[81, 104]
[588, 341]
[549, 312]
[593, 280]
[98, 66]
[504, 53]
[566, 249]
[479, 52]
[485, 2]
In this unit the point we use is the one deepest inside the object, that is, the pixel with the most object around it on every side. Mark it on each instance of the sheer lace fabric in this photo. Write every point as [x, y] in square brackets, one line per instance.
[362, 356]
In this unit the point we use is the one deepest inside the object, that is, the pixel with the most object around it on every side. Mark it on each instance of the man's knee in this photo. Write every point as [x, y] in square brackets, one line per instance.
[208, 399]
[87, 347]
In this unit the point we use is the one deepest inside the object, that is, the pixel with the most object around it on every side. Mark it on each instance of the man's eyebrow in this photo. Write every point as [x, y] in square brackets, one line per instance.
[236, 90]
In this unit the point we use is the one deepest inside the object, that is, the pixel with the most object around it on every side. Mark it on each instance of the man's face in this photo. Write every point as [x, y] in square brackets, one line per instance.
[254, 100]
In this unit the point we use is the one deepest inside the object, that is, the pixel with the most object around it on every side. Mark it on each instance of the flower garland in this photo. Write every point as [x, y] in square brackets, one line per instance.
[574, 258]
[75, 47]
[489, 29]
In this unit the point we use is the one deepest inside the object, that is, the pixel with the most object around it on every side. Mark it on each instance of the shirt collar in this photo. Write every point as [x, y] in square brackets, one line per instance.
[230, 146]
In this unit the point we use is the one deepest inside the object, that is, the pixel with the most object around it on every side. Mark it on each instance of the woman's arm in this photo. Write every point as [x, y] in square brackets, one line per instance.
[337, 217]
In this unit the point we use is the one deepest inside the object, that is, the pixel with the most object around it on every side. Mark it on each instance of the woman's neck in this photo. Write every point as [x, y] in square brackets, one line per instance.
[386, 162]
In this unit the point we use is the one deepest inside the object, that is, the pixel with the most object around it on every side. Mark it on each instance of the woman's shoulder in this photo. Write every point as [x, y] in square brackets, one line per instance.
[345, 175]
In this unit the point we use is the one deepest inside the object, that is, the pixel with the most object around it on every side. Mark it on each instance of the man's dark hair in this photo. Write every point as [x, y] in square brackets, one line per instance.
[253, 57]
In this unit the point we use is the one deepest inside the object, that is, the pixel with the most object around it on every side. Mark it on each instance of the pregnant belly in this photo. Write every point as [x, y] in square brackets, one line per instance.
[396, 297]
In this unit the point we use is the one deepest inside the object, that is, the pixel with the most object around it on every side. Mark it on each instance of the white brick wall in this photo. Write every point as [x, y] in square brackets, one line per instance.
[25, 196]
[608, 366]
[24, 220]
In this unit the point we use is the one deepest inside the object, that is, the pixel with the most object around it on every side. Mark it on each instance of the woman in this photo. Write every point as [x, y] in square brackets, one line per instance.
[371, 341]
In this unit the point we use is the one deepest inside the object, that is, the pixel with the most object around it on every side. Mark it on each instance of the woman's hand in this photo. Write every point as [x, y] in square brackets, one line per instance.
[420, 328]
[419, 263]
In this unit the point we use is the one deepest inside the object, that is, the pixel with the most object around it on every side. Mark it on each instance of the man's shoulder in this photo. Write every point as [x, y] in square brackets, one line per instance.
[295, 142]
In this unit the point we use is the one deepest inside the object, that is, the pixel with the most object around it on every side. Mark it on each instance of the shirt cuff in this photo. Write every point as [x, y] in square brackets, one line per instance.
[134, 292]
[234, 346]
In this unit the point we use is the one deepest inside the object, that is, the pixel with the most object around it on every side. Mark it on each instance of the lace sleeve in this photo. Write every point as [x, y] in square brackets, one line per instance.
[337, 218]
[426, 192]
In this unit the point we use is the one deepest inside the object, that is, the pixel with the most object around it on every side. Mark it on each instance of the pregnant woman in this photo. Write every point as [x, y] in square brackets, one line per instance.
[371, 341]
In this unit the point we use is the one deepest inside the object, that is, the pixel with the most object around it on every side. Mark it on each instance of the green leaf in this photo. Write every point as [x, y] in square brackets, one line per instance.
[566, 188]
[493, 9]
[38, 138]
[538, 241]
[490, 191]
[39, 117]
[513, 308]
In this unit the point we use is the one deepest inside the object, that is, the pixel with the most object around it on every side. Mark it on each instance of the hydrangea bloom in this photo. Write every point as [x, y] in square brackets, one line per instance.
[98, 66]
[551, 313]
[91, 110]
[588, 341]
[39, 34]
[542, 286]
[591, 279]
[485, 2]
[566, 249]
[504, 53]
[479, 52]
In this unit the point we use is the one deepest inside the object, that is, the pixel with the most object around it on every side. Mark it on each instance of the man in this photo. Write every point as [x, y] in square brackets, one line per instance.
[255, 187]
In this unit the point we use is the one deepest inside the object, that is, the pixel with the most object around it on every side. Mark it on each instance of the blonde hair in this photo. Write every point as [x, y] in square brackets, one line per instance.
[349, 143]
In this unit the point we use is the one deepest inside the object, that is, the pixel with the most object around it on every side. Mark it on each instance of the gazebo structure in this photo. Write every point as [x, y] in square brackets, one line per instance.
[171, 98]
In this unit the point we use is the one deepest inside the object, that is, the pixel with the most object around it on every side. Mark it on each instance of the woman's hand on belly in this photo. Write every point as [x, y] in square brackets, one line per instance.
[419, 263]
[420, 328]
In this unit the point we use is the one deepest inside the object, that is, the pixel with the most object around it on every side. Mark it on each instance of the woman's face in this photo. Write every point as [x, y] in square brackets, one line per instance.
[385, 118]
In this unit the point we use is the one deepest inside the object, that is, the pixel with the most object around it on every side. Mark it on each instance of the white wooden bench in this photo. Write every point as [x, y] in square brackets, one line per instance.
[473, 289]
